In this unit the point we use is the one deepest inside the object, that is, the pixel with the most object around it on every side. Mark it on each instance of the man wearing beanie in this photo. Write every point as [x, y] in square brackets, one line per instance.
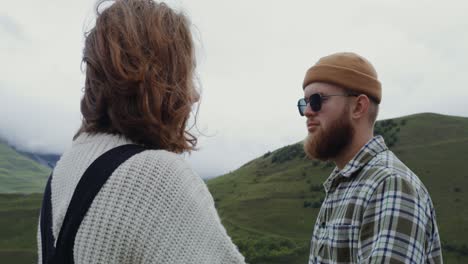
[376, 210]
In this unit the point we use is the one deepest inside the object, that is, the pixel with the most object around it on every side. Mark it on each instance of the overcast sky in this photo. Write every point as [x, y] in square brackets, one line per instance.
[252, 57]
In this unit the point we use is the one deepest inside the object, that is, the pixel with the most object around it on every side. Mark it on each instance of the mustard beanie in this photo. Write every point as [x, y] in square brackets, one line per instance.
[349, 70]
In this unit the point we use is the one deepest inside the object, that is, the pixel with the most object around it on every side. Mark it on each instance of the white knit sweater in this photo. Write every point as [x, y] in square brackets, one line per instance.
[153, 209]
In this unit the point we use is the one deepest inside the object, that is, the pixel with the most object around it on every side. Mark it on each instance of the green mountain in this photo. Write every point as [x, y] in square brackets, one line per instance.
[19, 173]
[270, 204]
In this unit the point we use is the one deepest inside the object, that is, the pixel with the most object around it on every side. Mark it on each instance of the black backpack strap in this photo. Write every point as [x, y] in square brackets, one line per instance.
[47, 237]
[88, 187]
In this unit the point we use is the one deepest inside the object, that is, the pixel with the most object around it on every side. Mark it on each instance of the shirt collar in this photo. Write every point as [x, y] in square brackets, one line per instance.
[364, 155]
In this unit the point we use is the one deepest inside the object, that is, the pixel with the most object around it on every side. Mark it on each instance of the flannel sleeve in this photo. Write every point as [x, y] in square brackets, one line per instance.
[395, 223]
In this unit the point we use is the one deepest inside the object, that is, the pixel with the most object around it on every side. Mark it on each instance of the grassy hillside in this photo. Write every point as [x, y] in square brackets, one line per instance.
[19, 174]
[269, 205]
[18, 226]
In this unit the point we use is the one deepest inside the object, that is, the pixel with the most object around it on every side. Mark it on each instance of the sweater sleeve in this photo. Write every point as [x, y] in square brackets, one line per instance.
[154, 209]
[194, 232]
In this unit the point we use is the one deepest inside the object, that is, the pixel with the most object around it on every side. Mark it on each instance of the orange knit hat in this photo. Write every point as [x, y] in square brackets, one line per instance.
[348, 70]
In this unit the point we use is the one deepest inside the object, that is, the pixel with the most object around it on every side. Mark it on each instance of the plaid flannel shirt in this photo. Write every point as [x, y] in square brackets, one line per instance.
[376, 210]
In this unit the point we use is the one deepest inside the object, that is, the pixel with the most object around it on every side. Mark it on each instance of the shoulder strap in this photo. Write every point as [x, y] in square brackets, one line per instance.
[88, 187]
[47, 237]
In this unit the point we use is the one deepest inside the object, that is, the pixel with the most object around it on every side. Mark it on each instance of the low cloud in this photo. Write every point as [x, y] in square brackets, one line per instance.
[9, 27]
[252, 59]
[33, 124]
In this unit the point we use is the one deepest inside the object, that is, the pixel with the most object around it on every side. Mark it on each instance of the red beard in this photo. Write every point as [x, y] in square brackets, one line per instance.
[328, 144]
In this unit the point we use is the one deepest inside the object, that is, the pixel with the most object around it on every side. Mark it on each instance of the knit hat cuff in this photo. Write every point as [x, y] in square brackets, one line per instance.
[346, 77]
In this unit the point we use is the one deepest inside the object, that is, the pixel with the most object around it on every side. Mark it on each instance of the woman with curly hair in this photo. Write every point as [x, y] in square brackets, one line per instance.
[121, 193]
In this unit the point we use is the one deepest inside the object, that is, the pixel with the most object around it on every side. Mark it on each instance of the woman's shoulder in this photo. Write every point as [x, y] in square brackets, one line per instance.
[161, 157]
[161, 164]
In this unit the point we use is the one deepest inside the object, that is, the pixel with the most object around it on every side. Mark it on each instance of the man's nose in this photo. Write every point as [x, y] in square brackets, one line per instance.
[308, 111]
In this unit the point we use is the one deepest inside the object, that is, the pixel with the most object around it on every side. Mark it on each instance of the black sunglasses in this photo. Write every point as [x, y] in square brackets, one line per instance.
[315, 100]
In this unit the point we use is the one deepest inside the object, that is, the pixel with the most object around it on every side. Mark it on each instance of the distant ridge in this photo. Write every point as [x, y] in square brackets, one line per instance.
[19, 173]
[46, 159]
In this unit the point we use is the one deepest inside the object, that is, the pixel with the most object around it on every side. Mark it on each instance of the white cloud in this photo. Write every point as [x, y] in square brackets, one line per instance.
[252, 59]
[33, 124]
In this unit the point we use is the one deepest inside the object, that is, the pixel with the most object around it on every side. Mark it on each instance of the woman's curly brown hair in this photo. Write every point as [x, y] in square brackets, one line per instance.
[139, 62]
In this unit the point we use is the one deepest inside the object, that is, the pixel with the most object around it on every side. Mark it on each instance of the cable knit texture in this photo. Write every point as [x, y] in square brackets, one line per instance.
[153, 209]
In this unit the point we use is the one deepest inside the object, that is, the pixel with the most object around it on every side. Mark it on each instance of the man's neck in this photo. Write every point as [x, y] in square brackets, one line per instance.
[356, 145]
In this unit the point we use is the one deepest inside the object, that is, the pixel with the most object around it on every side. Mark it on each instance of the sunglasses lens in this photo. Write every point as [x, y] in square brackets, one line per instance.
[315, 101]
[301, 105]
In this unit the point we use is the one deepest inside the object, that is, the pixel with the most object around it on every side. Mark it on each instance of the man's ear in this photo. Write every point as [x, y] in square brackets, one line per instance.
[360, 107]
